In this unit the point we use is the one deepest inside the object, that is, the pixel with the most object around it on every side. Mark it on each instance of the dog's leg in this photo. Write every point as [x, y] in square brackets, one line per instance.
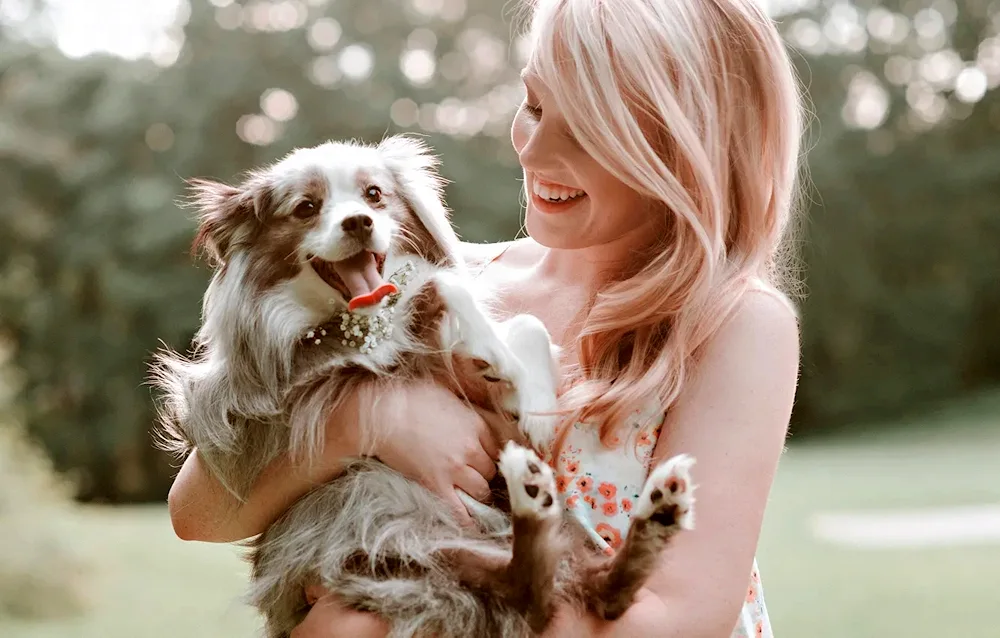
[537, 550]
[535, 398]
[518, 351]
[665, 507]
[471, 332]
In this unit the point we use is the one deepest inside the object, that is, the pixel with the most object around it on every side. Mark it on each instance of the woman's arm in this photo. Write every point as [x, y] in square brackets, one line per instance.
[435, 439]
[201, 509]
[733, 418]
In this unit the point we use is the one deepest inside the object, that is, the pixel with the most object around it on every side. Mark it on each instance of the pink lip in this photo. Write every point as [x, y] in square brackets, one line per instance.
[551, 184]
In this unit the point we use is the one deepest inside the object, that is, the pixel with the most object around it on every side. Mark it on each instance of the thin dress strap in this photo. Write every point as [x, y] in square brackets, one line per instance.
[492, 260]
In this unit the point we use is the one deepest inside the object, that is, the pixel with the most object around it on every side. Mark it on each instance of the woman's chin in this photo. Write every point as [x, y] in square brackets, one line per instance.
[555, 232]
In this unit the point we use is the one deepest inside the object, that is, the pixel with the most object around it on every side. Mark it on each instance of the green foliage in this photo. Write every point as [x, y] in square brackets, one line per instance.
[900, 241]
[41, 571]
[94, 263]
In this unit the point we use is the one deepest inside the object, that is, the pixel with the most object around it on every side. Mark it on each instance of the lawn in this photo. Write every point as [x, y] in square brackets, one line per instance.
[820, 590]
[150, 585]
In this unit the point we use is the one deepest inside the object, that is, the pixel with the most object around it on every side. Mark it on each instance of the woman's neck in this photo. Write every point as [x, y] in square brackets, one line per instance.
[590, 268]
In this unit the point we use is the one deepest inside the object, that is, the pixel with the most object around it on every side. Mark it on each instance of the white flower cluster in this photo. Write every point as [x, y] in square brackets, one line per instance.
[367, 331]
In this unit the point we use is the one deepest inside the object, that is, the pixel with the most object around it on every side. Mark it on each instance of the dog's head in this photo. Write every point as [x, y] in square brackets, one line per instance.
[328, 215]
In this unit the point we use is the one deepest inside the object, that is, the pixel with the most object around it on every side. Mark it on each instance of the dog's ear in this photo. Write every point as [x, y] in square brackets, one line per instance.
[414, 169]
[224, 212]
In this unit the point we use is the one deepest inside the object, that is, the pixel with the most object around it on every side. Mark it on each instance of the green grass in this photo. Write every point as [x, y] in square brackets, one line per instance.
[148, 584]
[817, 590]
[151, 585]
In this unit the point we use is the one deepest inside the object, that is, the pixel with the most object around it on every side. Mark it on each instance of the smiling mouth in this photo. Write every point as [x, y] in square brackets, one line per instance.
[356, 276]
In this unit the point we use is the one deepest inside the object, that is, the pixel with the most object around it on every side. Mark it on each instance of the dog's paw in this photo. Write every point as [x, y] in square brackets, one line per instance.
[668, 497]
[530, 483]
[537, 417]
[491, 357]
[472, 334]
[490, 372]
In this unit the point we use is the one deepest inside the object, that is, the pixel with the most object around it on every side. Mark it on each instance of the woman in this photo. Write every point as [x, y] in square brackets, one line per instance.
[659, 141]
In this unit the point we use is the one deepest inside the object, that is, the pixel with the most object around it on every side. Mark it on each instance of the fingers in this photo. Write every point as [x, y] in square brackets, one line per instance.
[480, 461]
[459, 510]
[490, 444]
[471, 481]
[314, 592]
[493, 428]
[329, 619]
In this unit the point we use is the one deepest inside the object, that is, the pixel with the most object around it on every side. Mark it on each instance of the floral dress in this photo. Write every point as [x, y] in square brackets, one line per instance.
[599, 486]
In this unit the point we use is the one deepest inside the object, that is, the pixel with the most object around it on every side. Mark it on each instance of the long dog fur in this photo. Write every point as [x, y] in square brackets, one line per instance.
[255, 388]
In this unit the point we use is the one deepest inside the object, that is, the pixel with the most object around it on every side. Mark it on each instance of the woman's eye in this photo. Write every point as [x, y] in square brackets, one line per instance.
[373, 194]
[305, 209]
[534, 111]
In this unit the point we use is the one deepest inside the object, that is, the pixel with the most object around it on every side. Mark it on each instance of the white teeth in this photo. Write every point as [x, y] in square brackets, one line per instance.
[555, 193]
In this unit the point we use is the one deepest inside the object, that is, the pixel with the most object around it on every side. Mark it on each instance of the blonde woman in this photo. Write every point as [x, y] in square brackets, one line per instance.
[660, 144]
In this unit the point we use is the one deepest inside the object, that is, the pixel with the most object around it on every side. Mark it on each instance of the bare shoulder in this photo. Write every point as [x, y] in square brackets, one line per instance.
[765, 318]
[756, 347]
[516, 253]
[744, 378]
[751, 364]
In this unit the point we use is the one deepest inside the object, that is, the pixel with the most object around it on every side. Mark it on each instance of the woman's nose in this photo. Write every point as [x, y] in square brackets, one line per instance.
[538, 151]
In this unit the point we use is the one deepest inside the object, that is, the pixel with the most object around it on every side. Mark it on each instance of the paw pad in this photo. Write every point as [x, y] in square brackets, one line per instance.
[530, 482]
[668, 497]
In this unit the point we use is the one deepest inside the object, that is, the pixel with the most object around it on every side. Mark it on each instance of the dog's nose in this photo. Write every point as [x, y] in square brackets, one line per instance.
[358, 225]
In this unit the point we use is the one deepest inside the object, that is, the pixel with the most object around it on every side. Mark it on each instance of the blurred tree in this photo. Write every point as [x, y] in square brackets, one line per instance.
[43, 573]
[899, 246]
[94, 267]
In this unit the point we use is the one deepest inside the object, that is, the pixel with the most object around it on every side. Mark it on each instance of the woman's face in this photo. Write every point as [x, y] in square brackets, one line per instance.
[573, 202]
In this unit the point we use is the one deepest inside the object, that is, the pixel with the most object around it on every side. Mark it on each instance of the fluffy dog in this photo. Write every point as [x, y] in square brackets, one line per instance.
[336, 267]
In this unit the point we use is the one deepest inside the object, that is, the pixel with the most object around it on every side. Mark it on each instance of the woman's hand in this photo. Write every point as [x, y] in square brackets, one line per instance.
[426, 433]
[201, 509]
[646, 617]
[329, 619]
[434, 438]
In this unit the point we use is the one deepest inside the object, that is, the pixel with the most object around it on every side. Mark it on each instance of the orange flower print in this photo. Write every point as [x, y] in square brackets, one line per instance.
[610, 508]
[562, 482]
[572, 500]
[760, 628]
[607, 490]
[626, 505]
[585, 483]
[610, 534]
[645, 439]
[755, 576]
[589, 500]
[751, 594]
[572, 467]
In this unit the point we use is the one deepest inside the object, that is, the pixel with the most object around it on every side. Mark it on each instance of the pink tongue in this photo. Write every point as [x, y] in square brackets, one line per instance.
[360, 273]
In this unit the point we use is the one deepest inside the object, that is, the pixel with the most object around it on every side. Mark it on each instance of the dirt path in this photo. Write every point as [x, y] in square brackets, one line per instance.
[916, 528]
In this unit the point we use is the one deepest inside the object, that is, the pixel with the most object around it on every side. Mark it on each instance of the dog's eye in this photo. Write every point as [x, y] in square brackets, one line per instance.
[305, 209]
[373, 194]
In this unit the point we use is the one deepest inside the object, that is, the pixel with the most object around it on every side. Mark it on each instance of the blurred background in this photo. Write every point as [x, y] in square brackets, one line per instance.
[885, 518]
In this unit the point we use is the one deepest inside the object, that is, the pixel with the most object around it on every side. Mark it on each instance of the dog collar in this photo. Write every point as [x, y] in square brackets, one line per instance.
[364, 331]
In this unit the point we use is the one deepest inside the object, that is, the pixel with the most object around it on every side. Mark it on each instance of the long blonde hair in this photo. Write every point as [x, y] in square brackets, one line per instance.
[693, 104]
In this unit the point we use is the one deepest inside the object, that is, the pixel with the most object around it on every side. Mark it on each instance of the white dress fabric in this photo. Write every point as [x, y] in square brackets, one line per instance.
[599, 486]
